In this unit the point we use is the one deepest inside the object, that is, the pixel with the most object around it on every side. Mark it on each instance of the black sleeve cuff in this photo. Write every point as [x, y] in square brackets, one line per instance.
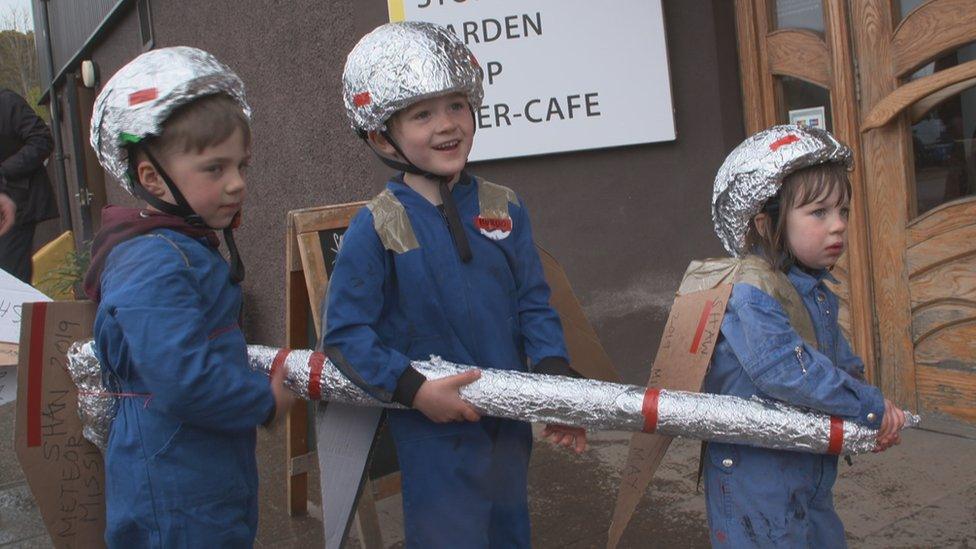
[554, 366]
[407, 386]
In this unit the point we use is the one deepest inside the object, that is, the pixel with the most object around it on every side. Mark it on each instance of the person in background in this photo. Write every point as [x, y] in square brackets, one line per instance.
[26, 197]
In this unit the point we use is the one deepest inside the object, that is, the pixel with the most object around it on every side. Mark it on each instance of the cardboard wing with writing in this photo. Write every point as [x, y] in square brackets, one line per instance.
[681, 362]
[64, 471]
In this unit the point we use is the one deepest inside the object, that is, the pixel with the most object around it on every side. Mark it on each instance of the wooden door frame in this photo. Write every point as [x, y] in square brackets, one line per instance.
[765, 53]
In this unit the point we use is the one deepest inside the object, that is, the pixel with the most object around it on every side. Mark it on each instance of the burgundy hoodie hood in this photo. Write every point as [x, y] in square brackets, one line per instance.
[120, 224]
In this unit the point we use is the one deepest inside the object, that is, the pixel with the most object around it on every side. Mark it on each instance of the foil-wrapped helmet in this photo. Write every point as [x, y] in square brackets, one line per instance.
[399, 64]
[754, 172]
[137, 100]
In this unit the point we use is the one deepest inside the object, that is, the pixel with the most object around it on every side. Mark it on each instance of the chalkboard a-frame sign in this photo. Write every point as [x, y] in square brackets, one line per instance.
[313, 242]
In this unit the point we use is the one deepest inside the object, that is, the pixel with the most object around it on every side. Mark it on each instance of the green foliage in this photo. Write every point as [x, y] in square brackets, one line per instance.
[66, 279]
[18, 67]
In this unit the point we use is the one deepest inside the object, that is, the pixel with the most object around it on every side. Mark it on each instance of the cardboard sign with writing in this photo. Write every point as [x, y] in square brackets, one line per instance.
[64, 471]
[13, 293]
[681, 362]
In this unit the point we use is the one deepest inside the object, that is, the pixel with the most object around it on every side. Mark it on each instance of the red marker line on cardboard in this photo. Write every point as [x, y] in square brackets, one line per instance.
[702, 322]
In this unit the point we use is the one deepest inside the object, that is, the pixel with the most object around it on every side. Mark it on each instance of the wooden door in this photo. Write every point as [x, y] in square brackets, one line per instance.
[918, 79]
[899, 78]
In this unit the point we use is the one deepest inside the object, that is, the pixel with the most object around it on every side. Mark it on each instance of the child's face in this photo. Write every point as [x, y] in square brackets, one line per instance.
[211, 180]
[436, 134]
[817, 232]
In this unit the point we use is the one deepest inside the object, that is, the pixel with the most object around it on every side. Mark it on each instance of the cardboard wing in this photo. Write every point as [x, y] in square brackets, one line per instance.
[64, 471]
[586, 353]
[681, 363]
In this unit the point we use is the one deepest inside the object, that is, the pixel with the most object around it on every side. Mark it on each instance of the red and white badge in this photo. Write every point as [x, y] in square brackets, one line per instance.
[493, 227]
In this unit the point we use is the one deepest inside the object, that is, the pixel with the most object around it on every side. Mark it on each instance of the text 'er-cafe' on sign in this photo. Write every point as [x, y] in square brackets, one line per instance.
[560, 75]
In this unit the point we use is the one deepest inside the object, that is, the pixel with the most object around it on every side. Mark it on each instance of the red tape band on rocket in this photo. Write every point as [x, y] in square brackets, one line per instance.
[315, 362]
[279, 360]
[649, 409]
[836, 436]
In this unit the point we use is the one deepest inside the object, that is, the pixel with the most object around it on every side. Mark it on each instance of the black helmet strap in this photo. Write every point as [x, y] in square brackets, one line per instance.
[183, 209]
[450, 207]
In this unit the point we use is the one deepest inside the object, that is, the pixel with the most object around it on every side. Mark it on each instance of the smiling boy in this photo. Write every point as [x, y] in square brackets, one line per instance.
[441, 263]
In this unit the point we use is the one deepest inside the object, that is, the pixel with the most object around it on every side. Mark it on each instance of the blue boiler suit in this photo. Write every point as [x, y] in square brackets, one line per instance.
[398, 295]
[770, 498]
[180, 465]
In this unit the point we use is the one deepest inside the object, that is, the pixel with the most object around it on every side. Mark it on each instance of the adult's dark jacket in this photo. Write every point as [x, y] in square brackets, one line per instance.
[25, 142]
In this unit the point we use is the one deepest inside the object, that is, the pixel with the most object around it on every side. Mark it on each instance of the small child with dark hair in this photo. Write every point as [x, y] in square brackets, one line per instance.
[781, 205]
[180, 467]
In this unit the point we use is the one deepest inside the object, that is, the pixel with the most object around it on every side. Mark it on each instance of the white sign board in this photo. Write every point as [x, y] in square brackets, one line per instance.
[13, 294]
[814, 117]
[561, 75]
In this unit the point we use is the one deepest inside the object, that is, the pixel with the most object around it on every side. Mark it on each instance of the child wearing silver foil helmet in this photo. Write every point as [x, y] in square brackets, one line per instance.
[440, 263]
[780, 206]
[173, 127]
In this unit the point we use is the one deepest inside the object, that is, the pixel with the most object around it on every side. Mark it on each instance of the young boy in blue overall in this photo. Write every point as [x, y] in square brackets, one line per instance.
[781, 205]
[440, 263]
[173, 126]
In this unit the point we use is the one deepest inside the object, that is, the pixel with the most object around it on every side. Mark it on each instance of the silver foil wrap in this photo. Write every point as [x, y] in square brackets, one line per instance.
[96, 406]
[398, 64]
[141, 95]
[568, 401]
[754, 171]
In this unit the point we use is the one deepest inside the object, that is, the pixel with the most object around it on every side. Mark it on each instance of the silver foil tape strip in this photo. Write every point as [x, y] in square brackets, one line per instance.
[563, 400]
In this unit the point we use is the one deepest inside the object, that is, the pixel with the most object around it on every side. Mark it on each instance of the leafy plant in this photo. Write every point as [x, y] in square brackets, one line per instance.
[66, 278]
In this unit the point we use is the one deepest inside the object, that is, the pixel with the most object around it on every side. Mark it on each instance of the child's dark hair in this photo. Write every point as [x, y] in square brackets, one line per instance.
[799, 189]
[202, 123]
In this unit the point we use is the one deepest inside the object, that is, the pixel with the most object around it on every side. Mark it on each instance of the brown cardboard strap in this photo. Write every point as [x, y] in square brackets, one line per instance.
[753, 270]
[35, 374]
[493, 200]
[391, 223]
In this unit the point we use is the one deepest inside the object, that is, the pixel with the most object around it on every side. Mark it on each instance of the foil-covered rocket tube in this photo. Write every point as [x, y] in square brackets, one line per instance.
[96, 404]
[556, 399]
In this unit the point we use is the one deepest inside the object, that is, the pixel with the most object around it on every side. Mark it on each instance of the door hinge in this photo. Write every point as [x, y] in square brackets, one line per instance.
[84, 197]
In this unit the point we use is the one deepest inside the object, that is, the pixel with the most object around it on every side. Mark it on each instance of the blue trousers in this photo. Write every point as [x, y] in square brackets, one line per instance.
[464, 484]
[770, 498]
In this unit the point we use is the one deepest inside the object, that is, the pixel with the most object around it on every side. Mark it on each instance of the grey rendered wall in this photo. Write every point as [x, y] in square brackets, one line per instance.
[623, 222]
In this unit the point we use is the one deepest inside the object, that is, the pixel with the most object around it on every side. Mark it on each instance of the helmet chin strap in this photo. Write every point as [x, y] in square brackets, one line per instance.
[183, 209]
[447, 199]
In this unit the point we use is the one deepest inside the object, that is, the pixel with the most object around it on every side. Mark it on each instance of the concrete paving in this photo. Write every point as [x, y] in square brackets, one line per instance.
[920, 494]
